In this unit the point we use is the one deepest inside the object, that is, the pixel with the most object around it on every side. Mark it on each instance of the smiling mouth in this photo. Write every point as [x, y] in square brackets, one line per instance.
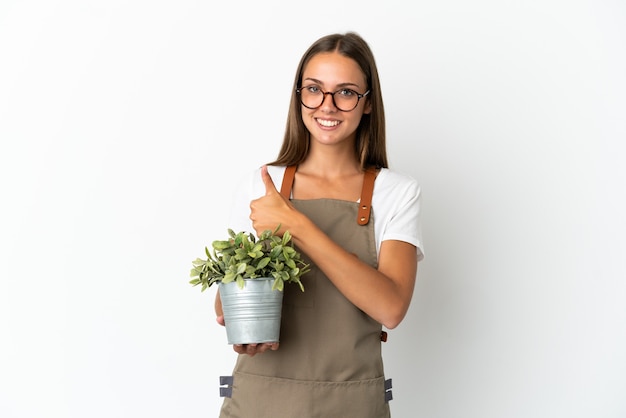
[328, 123]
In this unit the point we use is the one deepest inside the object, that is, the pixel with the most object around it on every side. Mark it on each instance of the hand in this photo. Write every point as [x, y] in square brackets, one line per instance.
[272, 209]
[250, 349]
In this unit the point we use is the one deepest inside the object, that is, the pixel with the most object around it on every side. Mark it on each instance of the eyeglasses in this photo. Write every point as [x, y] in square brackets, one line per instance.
[344, 99]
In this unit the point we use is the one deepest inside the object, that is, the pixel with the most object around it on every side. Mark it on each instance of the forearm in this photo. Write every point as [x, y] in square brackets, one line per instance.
[384, 294]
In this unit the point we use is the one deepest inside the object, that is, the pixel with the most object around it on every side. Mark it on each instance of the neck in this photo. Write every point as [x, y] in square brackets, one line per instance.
[330, 167]
[330, 161]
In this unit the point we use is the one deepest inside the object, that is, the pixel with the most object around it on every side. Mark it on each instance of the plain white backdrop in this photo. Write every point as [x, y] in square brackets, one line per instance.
[123, 125]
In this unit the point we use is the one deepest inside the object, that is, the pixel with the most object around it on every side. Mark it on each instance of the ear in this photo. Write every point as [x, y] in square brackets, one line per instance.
[368, 108]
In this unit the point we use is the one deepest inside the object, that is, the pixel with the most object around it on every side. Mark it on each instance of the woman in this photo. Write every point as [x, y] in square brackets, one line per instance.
[355, 221]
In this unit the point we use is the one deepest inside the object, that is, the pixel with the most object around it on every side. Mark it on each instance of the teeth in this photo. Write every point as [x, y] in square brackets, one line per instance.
[328, 123]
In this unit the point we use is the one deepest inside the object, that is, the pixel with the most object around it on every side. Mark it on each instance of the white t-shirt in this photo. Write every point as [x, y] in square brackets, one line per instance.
[395, 205]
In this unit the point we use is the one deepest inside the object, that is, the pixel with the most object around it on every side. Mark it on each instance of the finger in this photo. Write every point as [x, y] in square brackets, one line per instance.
[220, 320]
[248, 349]
[251, 350]
[270, 346]
[262, 348]
[267, 180]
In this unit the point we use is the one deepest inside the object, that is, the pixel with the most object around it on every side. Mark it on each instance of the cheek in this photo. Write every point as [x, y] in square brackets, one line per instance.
[306, 114]
[307, 119]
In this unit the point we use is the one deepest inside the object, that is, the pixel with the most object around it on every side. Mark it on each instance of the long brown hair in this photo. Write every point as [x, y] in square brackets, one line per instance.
[370, 146]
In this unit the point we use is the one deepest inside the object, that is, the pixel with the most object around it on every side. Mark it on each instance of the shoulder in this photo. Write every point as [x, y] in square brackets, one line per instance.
[392, 183]
[396, 195]
[276, 172]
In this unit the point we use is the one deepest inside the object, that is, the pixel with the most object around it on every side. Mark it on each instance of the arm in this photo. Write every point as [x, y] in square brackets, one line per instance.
[384, 293]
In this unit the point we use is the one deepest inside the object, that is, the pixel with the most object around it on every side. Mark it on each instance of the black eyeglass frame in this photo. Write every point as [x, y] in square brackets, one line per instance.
[359, 96]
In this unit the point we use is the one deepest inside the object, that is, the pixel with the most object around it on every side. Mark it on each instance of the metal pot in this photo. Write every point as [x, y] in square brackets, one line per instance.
[251, 314]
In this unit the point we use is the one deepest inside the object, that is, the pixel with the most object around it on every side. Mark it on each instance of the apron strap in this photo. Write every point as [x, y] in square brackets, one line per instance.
[365, 205]
[285, 188]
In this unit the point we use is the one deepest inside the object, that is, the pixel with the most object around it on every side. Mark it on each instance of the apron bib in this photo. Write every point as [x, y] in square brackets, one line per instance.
[329, 362]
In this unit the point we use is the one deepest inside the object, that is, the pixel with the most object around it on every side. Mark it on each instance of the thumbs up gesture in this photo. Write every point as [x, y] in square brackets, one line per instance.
[272, 209]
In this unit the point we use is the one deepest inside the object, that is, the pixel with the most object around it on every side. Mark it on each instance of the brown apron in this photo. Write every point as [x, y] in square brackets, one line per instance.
[329, 362]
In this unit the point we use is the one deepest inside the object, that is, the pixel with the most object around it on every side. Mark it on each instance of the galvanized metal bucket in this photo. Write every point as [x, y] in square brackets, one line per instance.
[251, 314]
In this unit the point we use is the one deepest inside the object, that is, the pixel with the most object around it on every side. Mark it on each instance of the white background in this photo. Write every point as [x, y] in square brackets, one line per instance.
[122, 124]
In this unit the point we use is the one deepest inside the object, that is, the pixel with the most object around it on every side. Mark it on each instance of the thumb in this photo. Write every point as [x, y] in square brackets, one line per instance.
[267, 180]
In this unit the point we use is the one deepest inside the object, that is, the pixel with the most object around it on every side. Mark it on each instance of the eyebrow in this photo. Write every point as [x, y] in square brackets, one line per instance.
[340, 85]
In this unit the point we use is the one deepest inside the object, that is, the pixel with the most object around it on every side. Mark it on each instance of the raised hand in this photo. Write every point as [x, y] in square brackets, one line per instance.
[272, 209]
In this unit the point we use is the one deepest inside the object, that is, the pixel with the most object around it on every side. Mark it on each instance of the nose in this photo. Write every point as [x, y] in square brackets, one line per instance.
[331, 102]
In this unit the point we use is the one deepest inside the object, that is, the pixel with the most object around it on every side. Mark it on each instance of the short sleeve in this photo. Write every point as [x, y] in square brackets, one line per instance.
[397, 210]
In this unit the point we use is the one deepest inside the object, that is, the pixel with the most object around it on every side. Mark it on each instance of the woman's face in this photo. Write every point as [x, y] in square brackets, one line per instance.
[330, 72]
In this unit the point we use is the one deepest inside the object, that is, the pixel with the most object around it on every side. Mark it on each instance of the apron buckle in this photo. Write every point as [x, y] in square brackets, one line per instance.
[226, 386]
[388, 394]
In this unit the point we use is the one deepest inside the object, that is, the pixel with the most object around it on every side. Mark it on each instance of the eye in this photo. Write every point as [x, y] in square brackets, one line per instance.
[312, 89]
[346, 93]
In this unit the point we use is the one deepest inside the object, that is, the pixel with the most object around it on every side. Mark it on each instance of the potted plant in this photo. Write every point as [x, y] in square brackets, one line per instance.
[251, 273]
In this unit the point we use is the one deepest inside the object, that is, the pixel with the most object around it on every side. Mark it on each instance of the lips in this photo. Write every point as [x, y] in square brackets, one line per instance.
[328, 123]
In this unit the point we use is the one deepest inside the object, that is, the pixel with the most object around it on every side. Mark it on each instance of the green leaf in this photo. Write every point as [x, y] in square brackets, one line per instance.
[241, 282]
[286, 237]
[241, 254]
[264, 262]
[278, 284]
[242, 268]
[276, 251]
[229, 277]
[221, 245]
